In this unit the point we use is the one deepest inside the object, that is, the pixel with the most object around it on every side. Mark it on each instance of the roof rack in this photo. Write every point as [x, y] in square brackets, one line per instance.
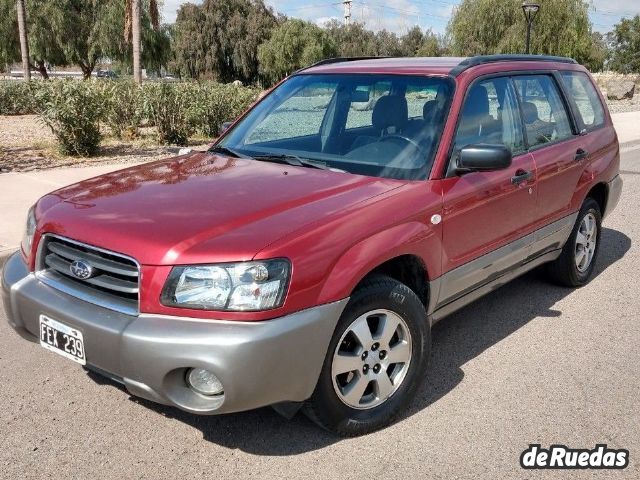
[329, 61]
[483, 59]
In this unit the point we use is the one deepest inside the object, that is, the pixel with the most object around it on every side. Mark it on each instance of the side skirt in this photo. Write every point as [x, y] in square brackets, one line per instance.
[472, 296]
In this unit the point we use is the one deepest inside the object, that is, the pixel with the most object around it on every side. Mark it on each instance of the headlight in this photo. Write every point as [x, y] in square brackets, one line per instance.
[245, 286]
[29, 232]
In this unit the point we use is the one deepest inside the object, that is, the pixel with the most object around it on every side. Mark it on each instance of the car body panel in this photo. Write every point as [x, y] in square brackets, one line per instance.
[471, 232]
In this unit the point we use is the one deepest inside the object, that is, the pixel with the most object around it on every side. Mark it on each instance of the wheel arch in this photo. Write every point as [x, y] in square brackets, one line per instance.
[408, 269]
[409, 253]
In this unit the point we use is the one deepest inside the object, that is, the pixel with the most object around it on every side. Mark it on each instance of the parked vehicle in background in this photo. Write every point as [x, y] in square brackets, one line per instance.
[108, 74]
[303, 259]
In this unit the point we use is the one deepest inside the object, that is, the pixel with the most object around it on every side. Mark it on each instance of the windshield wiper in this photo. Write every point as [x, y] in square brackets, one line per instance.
[227, 151]
[296, 161]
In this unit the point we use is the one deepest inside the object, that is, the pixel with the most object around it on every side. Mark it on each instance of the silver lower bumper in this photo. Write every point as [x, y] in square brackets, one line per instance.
[615, 191]
[258, 363]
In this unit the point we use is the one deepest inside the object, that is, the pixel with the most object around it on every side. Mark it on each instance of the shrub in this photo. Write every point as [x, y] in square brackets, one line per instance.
[72, 110]
[166, 106]
[217, 103]
[17, 97]
[123, 107]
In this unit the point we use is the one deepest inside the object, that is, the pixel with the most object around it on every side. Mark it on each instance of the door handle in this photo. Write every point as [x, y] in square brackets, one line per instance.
[581, 154]
[521, 176]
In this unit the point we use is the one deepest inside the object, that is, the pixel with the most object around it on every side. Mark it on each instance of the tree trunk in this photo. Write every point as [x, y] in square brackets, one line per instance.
[24, 44]
[135, 40]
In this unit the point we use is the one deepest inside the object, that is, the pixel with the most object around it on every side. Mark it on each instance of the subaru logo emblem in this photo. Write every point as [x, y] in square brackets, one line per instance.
[81, 269]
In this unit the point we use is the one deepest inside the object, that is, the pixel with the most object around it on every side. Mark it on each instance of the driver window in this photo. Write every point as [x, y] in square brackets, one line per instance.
[490, 115]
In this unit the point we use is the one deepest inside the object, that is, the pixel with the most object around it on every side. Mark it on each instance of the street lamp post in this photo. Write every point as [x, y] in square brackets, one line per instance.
[530, 10]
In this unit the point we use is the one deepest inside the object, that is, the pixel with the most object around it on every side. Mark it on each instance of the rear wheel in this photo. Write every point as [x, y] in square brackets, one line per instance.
[375, 361]
[574, 266]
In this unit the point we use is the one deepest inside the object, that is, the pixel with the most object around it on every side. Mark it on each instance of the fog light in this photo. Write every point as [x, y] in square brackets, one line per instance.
[204, 382]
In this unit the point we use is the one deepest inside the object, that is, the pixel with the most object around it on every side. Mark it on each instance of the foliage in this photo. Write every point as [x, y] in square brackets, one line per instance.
[111, 36]
[624, 42]
[123, 107]
[293, 44]
[352, 40]
[167, 107]
[213, 104]
[561, 27]
[9, 42]
[17, 98]
[356, 41]
[72, 110]
[219, 39]
[79, 32]
[44, 49]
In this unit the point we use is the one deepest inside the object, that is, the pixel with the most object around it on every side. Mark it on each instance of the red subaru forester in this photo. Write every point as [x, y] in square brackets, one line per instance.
[302, 259]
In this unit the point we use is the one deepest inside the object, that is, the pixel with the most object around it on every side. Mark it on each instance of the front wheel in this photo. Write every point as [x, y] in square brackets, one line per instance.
[375, 361]
[574, 266]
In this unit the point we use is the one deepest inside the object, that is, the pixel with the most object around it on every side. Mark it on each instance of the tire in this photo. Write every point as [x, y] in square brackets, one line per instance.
[380, 301]
[566, 270]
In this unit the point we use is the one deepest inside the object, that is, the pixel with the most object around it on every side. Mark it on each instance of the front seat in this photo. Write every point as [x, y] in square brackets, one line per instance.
[390, 116]
[476, 124]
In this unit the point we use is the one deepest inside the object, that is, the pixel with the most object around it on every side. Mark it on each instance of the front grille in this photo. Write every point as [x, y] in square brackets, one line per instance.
[112, 279]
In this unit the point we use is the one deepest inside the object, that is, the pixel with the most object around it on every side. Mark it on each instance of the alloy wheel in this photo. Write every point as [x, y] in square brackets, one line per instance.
[372, 359]
[586, 242]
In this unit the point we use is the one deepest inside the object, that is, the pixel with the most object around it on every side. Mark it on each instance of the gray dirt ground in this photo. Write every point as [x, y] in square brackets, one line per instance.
[530, 363]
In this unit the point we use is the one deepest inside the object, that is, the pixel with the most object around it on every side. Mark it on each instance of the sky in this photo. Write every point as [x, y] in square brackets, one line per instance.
[400, 15]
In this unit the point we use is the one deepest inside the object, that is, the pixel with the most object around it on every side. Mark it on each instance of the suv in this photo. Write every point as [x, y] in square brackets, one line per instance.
[302, 260]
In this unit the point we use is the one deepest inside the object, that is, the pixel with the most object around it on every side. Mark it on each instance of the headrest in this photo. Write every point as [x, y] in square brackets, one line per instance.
[390, 111]
[530, 112]
[428, 110]
[477, 102]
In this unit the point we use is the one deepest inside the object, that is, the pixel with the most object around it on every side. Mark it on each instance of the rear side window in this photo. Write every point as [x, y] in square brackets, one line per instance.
[544, 113]
[586, 98]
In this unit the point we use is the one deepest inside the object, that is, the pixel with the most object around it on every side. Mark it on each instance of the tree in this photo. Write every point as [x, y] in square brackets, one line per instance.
[133, 33]
[24, 44]
[135, 40]
[113, 22]
[352, 40]
[9, 39]
[74, 27]
[624, 42]
[387, 44]
[44, 48]
[293, 45]
[219, 39]
[561, 27]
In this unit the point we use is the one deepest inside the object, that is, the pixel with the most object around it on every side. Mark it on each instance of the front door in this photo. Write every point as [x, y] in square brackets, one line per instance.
[487, 215]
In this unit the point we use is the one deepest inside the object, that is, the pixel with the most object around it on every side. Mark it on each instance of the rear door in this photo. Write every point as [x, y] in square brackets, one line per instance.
[487, 215]
[559, 152]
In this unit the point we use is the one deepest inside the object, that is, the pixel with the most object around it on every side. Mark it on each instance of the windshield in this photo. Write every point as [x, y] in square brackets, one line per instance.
[377, 125]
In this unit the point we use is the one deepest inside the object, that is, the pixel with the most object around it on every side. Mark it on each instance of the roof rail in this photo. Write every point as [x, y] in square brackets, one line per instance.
[329, 61]
[483, 59]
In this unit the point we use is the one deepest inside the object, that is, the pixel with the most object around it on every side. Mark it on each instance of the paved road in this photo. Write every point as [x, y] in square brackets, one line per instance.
[531, 363]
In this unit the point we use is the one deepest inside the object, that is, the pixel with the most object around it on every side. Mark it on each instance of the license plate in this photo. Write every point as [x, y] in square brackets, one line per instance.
[62, 339]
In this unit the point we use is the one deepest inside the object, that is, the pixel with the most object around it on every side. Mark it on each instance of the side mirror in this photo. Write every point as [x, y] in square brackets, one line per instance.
[483, 158]
[225, 126]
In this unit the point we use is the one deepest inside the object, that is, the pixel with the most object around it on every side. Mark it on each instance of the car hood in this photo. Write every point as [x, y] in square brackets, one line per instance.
[200, 208]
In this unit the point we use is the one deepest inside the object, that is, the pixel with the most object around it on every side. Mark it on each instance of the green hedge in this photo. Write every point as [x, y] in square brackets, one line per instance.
[75, 110]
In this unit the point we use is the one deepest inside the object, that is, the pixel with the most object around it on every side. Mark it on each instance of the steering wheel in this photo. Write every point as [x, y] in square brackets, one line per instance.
[408, 140]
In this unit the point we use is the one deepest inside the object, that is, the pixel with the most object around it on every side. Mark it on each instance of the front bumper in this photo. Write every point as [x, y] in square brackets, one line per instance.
[259, 363]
